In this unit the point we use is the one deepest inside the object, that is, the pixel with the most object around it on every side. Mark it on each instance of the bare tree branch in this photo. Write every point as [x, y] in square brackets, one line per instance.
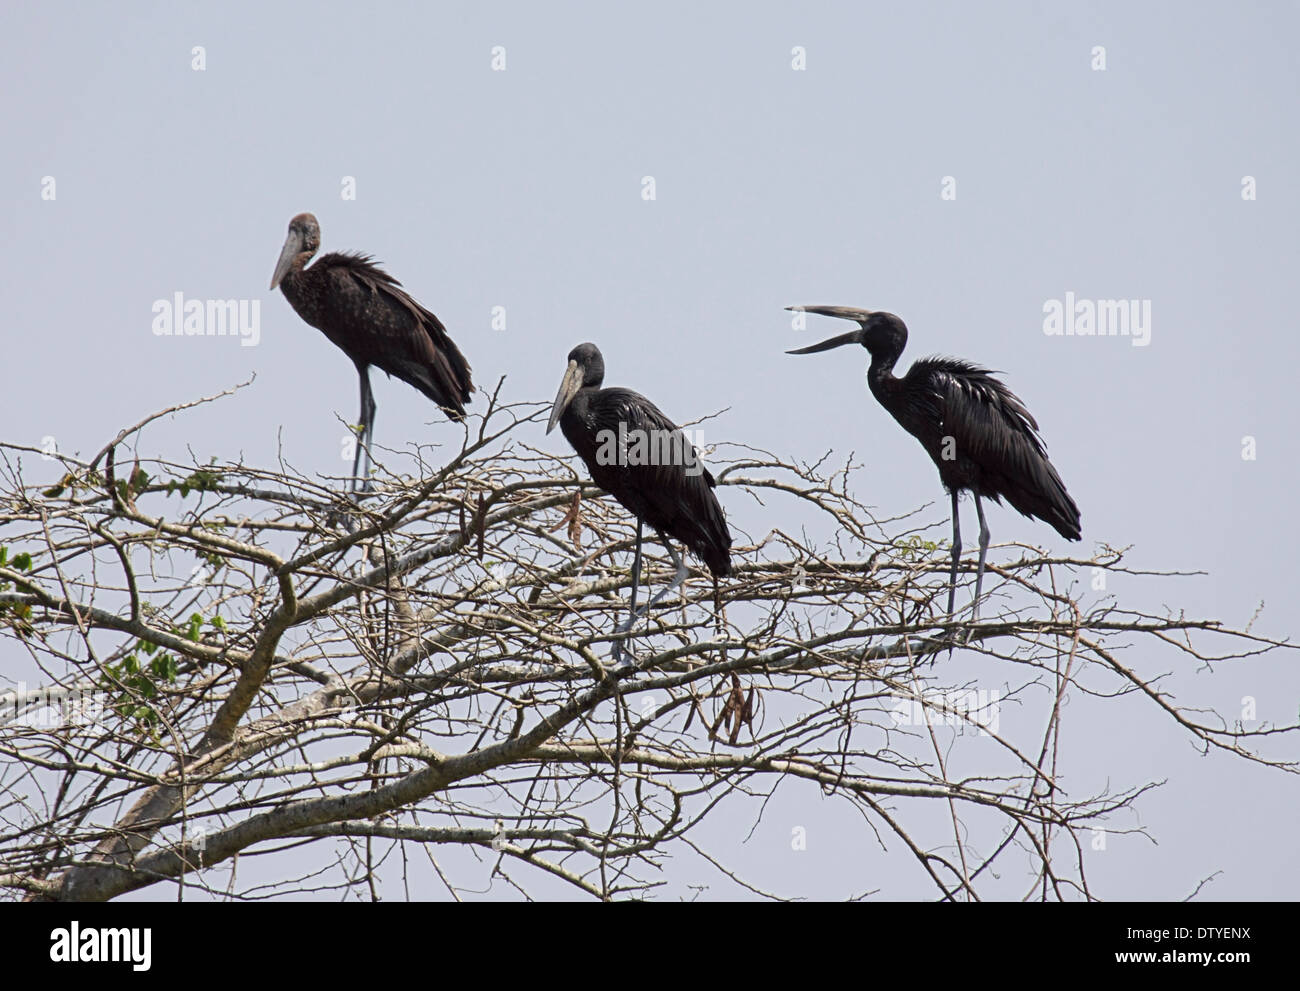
[219, 671]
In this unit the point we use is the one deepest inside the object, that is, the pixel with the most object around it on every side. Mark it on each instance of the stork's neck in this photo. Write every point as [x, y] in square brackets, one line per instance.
[293, 284]
[880, 376]
[299, 262]
[302, 290]
[575, 417]
[581, 403]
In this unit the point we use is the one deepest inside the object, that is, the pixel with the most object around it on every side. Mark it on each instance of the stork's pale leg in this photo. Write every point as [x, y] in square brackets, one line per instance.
[360, 432]
[682, 571]
[956, 555]
[979, 571]
[362, 457]
[631, 611]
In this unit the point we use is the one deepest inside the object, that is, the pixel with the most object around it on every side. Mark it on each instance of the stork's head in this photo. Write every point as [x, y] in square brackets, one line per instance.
[302, 242]
[881, 333]
[586, 368]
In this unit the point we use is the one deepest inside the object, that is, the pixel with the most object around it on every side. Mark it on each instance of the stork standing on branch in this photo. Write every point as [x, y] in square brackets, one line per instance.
[371, 319]
[622, 437]
[976, 430]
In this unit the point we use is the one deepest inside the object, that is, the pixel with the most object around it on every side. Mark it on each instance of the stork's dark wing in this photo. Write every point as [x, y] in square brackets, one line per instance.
[674, 492]
[990, 425]
[390, 330]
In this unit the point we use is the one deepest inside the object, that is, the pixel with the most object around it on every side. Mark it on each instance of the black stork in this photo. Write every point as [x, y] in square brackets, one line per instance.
[367, 314]
[641, 458]
[976, 430]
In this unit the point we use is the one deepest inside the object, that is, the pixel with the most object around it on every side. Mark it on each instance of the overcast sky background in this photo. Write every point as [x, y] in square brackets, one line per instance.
[523, 189]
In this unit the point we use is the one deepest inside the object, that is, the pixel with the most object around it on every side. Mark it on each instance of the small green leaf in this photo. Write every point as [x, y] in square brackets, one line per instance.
[164, 666]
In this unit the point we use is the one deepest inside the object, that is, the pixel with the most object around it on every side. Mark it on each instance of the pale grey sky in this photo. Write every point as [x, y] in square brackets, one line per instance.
[774, 187]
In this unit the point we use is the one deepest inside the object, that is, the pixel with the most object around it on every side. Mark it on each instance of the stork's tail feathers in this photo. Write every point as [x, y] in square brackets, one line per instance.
[1066, 520]
[717, 558]
[1049, 503]
[710, 539]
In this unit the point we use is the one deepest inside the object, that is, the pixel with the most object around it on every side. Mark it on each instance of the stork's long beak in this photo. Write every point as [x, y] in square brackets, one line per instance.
[843, 312]
[569, 387]
[852, 337]
[291, 250]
